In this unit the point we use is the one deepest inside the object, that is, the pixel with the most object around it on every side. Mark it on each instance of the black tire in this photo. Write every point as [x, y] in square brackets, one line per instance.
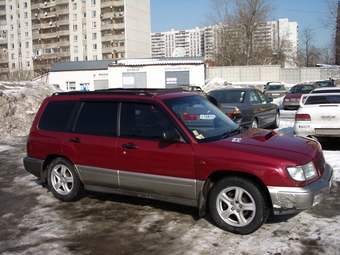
[276, 123]
[238, 205]
[64, 181]
[254, 123]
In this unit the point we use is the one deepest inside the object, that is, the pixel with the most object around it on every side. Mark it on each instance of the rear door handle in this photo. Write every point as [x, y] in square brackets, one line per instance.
[75, 140]
[129, 146]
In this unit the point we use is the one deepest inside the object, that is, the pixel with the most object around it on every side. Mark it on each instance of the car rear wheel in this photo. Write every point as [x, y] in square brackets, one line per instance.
[276, 123]
[238, 205]
[64, 181]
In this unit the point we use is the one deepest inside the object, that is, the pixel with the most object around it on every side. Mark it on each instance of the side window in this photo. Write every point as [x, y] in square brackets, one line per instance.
[56, 115]
[97, 118]
[143, 121]
[262, 97]
[254, 98]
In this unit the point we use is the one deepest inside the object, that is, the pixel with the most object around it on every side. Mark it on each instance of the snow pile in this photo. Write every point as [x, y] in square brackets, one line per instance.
[19, 102]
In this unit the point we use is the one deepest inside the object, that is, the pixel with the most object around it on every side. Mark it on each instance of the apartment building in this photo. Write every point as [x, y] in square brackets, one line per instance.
[204, 41]
[164, 44]
[36, 34]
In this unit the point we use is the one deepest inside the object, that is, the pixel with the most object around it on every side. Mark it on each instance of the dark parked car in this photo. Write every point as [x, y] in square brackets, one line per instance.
[142, 142]
[291, 100]
[248, 107]
[326, 83]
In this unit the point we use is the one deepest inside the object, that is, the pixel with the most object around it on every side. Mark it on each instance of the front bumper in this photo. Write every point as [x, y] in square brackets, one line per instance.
[289, 200]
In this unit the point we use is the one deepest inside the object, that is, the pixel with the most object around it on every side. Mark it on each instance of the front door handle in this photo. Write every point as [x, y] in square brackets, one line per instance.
[129, 146]
[75, 140]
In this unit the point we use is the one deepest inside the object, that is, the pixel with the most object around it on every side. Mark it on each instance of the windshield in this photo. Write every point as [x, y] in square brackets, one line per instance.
[203, 119]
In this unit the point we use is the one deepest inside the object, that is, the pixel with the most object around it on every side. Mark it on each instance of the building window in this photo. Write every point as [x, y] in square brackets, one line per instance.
[93, 2]
[94, 46]
[84, 15]
[76, 58]
[26, 24]
[11, 17]
[93, 14]
[75, 38]
[83, 25]
[75, 49]
[94, 57]
[84, 36]
[26, 34]
[27, 44]
[94, 36]
[85, 58]
[25, 15]
[75, 27]
[94, 24]
[84, 47]
[28, 64]
[70, 85]
[74, 16]
[12, 56]
[25, 5]
[74, 6]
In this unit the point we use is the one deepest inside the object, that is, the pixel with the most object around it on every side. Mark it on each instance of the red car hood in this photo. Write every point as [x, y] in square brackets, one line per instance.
[267, 143]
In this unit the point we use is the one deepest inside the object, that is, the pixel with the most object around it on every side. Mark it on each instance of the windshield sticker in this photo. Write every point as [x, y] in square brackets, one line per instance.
[197, 135]
[236, 140]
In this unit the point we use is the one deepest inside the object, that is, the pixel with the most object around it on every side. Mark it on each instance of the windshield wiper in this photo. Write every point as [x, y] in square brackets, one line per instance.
[226, 134]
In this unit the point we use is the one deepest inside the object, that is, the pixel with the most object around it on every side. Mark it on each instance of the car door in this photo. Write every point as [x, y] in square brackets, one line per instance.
[263, 110]
[91, 144]
[146, 163]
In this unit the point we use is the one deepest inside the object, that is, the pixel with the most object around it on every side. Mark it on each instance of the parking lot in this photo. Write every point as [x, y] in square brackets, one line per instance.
[34, 222]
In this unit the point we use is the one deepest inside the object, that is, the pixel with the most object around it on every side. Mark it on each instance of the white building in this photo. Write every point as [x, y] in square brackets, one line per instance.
[128, 73]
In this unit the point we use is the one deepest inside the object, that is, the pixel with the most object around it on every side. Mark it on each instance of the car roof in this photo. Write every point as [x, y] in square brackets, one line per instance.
[225, 89]
[326, 89]
[274, 83]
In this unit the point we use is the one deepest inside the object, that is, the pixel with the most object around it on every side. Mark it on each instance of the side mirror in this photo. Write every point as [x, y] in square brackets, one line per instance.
[171, 136]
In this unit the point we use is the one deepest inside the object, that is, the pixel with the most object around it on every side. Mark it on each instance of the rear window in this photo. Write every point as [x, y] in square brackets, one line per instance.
[56, 115]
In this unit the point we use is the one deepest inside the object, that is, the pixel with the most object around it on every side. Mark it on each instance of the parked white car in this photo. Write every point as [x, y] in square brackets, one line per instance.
[318, 115]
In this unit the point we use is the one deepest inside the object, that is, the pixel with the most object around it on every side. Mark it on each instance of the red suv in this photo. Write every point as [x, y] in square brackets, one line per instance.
[173, 146]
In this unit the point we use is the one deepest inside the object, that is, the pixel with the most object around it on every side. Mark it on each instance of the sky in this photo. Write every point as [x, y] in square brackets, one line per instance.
[188, 14]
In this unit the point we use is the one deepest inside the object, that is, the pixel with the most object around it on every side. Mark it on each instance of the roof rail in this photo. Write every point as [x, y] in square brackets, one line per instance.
[130, 91]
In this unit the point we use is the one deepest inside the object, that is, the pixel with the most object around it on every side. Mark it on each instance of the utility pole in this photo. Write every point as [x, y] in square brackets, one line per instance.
[337, 37]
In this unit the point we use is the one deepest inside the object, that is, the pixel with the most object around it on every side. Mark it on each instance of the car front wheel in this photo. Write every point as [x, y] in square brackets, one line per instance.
[238, 205]
[64, 181]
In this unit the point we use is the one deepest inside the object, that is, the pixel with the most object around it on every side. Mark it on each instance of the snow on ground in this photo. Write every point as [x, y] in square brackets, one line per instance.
[18, 105]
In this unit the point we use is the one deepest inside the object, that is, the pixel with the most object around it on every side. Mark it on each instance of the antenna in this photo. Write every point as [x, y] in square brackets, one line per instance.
[178, 52]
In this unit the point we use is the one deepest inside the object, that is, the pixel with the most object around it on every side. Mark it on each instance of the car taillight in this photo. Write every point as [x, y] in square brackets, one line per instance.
[235, 112]
[187, 116]
[302, 117]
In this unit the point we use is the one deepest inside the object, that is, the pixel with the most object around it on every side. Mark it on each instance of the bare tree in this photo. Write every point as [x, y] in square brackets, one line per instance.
[309, 54]
[332, 22]
[241, 19]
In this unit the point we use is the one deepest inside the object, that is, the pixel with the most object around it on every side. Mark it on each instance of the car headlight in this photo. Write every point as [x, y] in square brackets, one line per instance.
[302, 173]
